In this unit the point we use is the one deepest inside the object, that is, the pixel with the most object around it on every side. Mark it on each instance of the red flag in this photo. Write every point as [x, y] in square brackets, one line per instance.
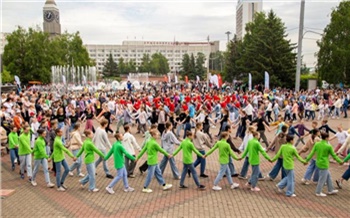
[165, 79]
[220, 80]
[186, 79]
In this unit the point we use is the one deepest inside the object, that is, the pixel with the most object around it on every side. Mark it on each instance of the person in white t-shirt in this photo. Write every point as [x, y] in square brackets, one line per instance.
[341, 135]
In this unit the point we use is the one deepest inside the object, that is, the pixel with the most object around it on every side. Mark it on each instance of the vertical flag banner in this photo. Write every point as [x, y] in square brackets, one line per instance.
[169, 79]
[198, 79]
[64, 79]
[267, 80]
[175, 79]
[186, 79]
[250, 82]
[219, 80]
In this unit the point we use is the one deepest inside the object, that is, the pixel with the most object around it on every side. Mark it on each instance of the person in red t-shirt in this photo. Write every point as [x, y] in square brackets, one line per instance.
[184, 106]
[188, 99]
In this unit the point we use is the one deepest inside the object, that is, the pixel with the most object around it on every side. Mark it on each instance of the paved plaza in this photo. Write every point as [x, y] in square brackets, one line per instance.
[39, 201]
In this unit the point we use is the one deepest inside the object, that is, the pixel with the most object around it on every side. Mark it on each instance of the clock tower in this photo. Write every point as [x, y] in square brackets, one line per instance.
[51, 16]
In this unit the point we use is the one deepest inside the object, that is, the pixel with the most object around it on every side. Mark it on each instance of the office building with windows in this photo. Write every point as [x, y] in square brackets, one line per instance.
[245, 13]
[134, 50]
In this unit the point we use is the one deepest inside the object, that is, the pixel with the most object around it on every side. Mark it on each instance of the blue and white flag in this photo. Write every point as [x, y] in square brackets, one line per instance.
[267, 80]
[250, 82]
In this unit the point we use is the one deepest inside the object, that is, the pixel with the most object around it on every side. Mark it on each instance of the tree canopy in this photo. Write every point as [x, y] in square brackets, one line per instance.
[29, 54]
[264, 48]
[110, 68]
[333, 58]
[193, 66]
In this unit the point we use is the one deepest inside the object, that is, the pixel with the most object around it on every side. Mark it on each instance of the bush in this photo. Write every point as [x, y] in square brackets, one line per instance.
[304, 80]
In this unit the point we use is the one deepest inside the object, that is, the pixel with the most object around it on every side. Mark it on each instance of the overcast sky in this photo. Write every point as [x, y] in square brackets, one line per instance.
[112, 21]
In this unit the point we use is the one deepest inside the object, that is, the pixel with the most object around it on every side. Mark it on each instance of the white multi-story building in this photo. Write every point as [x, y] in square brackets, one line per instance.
[134, 50]
[245, 13]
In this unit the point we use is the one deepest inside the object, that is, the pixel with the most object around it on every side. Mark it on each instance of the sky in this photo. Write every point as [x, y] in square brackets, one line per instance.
[113, 21]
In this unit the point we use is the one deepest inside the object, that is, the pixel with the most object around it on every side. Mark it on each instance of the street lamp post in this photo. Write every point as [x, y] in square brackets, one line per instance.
[208, 73]
[300, 44]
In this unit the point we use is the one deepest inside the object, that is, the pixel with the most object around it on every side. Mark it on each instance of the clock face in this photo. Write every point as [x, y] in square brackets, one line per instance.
[49, 16]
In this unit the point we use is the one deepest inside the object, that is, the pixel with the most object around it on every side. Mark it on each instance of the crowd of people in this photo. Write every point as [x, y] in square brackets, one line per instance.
[46, 126]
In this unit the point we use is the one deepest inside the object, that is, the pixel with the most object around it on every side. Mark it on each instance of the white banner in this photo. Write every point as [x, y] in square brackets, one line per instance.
[17, 80]
[64, 79]
[267, 80]
[175, 79]
[198, 79]
[250, 82]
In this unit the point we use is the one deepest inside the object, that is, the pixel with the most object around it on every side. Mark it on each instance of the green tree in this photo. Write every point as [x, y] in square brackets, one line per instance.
[333, 58]
[6, 77]
[131, 66]
[145, 64]
[159, 64]
[233, 53]
[192, 68]
[29, 54]
[122, 66]
[216, 62]
[265, 48]
[185, 65]
[199, 66]
[110, 68]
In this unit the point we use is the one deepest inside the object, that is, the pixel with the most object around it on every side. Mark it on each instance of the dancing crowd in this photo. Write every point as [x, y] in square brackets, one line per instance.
[46, 125]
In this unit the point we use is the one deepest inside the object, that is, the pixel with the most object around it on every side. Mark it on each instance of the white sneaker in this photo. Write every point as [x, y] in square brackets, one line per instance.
[279, 190]
[94, 190]
[81, 175]
[321, 195]
[110, 190]
[61, 189]
[167, 186]
[292, 196]
[335, 191]
[70, 174]
[129, 189]
[216, 188]
[147, 190]
[50, 185]
[234, 185]
[241, 177]
[33, 183]
[15, 160]
[305, 182]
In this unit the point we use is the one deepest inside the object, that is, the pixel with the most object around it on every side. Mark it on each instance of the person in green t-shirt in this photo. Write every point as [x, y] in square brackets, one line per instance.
[13, 146]
[254, 148]
[323, 149]
[40, 158]
[25, 153]
[59, 159]
[288, 151]
[187, 148]
[118, 151]
[152, 148]
[225, 152]
[89, 149]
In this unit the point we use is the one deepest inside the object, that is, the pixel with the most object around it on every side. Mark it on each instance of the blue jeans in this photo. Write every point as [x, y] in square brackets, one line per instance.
[244, 169]
[173, 167]
[279, 165]
[193, 171]
[255, 175]
[201, 161]
[287, 181]
[26, 163]
[121, 174]
[346, 174]
[178, 129]
[187, 128]
[312, 169]
[37, 164]
[77, 163]
[14, 155]
[154, 171]
[59, 180]
[224, 169]
[90, 176]
[231, 166]
[105, 167]
[325, 177]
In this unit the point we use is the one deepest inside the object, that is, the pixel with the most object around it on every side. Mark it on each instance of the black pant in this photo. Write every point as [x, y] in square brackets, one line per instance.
[161, 128]
[268, 115]
[144, 166]
[206, 128]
